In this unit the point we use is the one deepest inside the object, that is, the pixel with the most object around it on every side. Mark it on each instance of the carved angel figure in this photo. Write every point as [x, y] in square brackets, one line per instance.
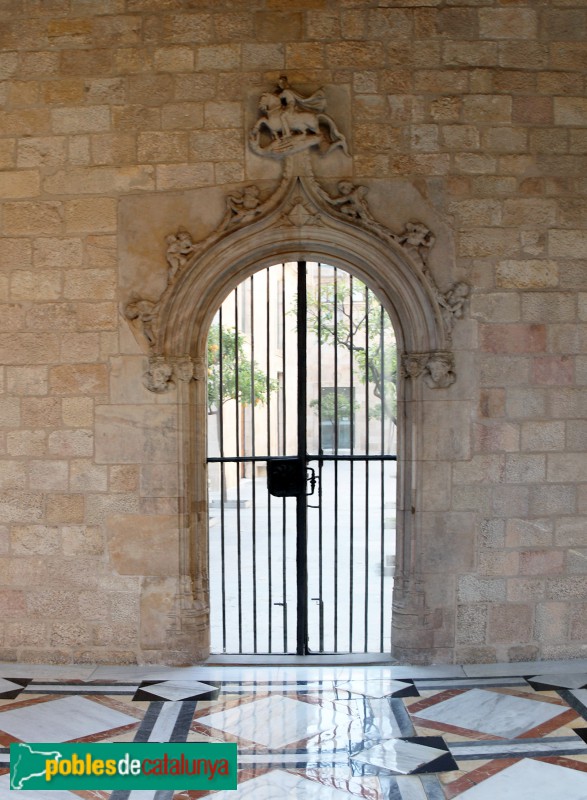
[418, 240]
[453, 303]
[244, 205]
[351, 201]
[146, 312]
[179, 247]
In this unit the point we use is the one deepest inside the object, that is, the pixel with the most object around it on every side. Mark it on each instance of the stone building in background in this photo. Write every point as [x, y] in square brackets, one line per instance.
[153, 154]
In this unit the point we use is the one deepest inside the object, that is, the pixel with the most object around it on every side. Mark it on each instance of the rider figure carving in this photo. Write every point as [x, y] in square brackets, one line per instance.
[291, 102]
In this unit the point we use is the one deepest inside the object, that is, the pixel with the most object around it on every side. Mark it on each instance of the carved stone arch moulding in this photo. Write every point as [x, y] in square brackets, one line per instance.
[300, 219]
[306, 219]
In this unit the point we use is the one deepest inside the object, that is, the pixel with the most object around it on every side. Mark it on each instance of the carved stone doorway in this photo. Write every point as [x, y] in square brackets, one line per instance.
[299, 219]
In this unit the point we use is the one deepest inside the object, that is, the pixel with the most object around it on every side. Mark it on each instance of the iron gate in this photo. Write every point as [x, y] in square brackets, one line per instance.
[302, 370]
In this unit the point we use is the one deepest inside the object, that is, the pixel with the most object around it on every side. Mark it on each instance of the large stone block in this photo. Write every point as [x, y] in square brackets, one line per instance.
[17, 184]
[509, 622]
[158, 599]
[91, 214]
[91, 119]
[66, 508]
[76, 379]
[508, 23]
[446, 431]
[473, 589]
[570, 111]
[35, 540]
[136, 434]
[51, 475]
[143, 545]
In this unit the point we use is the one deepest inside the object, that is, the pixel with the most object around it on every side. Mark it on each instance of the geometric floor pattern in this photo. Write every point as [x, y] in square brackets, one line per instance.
[493, 732]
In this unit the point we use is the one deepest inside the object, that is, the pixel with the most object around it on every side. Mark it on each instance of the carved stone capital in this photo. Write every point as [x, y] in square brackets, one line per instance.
[184, 369]
[158, 377]
[413, 364]
[437, 368]
[439, 372]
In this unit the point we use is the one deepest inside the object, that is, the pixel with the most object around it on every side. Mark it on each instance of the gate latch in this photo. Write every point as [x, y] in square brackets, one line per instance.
[286, 476]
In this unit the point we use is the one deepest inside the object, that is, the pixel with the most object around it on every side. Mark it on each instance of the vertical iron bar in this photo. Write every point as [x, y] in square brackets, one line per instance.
[284, 509]
[222, 473]
[267, 389]
[382, 490]
[336, 462]
[320, 464]
[301, 502]
[366, 621]
[238, 494]
[253, 463]
[351, 465]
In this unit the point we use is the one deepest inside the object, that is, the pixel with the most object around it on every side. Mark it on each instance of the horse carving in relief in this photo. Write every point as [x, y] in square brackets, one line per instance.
[290, 123]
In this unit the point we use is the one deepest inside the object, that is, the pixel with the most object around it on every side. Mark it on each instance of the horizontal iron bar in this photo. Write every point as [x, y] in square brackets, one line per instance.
[309, 457]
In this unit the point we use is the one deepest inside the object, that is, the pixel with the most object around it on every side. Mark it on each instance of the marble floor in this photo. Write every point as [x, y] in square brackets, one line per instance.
[382, 732]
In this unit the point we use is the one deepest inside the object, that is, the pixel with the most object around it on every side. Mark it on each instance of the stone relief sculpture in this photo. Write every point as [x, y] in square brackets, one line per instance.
[417, 240]
[179, 247]
[437, 368]
[351, 201]
[242, 206]
[290, 123]
[452, 304]
[439, 371]
[145, 311]
[158, 377]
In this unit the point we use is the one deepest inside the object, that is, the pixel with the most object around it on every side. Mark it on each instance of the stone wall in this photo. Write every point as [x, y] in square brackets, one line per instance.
[472, 111]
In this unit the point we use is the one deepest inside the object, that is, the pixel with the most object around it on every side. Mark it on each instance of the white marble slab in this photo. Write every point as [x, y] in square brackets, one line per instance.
[66, 672]
[491, 712]
[410, 787]
[281, 785]
[8, 686]
[571, 680]
[524, 668]
[61, 720]
[276, 721]
[581, 695]
[372, 687]
[545, 746]
[531, 780]
[179, 690]
[165, 723]
[399, 756]
[383, 719]
[37, 794]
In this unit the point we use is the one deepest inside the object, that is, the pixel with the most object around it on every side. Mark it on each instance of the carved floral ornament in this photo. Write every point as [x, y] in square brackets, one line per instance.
[289, 124]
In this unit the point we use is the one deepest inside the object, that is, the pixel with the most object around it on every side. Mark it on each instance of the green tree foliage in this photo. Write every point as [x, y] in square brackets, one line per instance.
[345, 313]
[232, 374]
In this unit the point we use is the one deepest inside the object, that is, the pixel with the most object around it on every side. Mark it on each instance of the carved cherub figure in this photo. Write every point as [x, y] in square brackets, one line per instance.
[179, 247]
[243, 205]
[456, 298]
[146, 312]
[418, 240]
[351, 200]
